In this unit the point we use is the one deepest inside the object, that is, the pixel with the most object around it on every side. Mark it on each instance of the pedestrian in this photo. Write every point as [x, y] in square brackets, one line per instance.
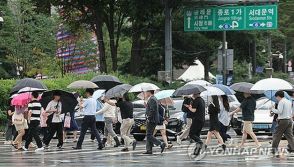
[224, 118]
[126, 111]
[285, 123]
[152, 121]
[109, 114]
[197, 108]
[54, 121]
[34, 112]
[161, 126]
[99, 120]
[43, 124]
[20, 123]
[188, 115]
[247, 107]
[89, 106]
[10, 131]
[213, 111]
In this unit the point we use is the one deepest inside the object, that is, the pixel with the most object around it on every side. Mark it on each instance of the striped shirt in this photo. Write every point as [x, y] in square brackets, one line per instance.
[35, 108]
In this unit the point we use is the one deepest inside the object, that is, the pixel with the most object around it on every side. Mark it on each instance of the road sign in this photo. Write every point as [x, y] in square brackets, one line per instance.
[227, 18]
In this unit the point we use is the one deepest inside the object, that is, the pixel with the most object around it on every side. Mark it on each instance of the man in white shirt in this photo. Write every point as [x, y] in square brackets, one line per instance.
[54, 109]
[285, 123]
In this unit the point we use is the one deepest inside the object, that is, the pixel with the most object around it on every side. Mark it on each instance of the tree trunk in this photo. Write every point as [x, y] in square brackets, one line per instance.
[136, 57]
[101, 46]
[112, 44]
[206, 69]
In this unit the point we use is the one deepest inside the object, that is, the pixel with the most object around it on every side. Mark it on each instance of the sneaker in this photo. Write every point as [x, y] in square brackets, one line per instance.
[24, 148]
[179, 141]
[39, 149]
[46, 147]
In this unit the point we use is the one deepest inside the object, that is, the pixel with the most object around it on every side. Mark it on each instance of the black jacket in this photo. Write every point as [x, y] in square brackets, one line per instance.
[152, 113]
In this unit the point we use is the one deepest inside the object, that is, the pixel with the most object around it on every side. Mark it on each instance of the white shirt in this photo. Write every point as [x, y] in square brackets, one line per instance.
[284, 110]
[89, 106]
[108, 110]
[52, 106]
[224, 116]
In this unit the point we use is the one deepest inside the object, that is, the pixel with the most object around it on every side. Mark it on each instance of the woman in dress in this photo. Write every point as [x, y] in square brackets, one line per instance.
[20, 123]
[213, 111]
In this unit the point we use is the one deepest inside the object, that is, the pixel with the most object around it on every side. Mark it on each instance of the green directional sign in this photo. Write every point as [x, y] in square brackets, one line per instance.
[228, 18]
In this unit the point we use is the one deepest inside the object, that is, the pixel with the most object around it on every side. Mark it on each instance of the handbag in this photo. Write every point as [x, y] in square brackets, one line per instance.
[17, 119]
[25, 124]
[67, 121]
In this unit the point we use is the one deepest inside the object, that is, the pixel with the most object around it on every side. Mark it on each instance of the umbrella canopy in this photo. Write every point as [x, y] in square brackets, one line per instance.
[226, 89]
[189, 89]
[27, 82]
[118, 91]
[244, 87]
[270, 94]
[22, 99]
[212, 91]
[164, 94]
[272, 84]
[167, 101]
[199, 82]
[98, 93]
[82, 84]
[67, 99]
[142, 87]
[106, 81]
[30, 89]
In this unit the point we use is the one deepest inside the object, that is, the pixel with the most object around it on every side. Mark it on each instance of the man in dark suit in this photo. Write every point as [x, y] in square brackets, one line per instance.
[152, 116]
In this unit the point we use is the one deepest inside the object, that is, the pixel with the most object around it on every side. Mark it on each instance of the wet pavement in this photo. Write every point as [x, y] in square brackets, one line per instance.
[178, 156]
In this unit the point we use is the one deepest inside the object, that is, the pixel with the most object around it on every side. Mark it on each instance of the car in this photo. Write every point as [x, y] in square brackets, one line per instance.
[262, 120]
[175, 122]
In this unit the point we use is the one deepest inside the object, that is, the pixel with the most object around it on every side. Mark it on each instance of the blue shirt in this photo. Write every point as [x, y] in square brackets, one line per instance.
[90, 106]
[99, 117]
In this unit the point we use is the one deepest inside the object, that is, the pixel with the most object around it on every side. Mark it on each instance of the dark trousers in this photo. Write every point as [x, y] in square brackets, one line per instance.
[223, 132]
[285, 127]
[195, 130]
[89, 121]
[99, 127]
[151, 140]
[45, 133]
[10, 133]
[58, 129]
[33, 132]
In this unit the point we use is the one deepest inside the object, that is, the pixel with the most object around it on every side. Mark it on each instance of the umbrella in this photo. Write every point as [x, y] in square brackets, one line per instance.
[142, 87]
[272, 84]
[68, 100]
[212, 91]
[199, 82]
[82, 84]
[98, 93]
[244, 87]
[164, 94]
[189, 89]
[226, 89]
[30, 89]
[27, 82]
[270, 94]
[118, 91]
[21, 100]
[106, 81]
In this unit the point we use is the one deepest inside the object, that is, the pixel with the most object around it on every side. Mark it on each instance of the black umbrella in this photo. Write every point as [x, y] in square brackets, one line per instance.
[27, 82]
[68, 100]
[244, 87]
[118, 91]
[189, 89]
[106, 81]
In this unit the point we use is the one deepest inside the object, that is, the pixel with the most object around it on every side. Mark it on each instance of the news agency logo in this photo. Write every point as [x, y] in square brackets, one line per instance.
[197, 152]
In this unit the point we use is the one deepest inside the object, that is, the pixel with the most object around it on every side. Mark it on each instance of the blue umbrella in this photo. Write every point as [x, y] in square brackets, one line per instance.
[226, 89]
[270, 94]
[164, 94]
[98, 93]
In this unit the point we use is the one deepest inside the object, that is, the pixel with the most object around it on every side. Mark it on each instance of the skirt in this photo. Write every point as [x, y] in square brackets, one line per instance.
[22, 126]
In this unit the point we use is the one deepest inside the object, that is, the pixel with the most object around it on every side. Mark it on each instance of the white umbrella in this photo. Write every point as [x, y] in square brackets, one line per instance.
[98, 93]
[212, 91]
[143, 87]
[272, 84]
[82, 84]
[199, 82]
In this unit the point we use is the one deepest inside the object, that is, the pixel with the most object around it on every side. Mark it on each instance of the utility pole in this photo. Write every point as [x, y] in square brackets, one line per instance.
[285, 55]
[224, 59]
[168, 39]
[270, 56]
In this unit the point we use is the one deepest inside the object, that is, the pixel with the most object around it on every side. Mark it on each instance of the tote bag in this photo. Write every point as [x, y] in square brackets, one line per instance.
[67, 120]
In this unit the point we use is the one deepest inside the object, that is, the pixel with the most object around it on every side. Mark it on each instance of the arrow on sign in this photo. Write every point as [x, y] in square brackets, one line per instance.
[262, 24]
